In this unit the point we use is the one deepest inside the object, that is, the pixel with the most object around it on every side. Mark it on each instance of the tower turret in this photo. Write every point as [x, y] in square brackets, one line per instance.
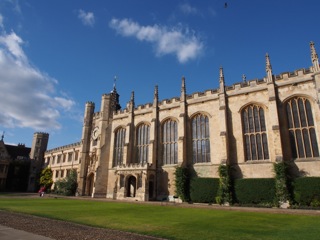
[39, 146]
[85, 148]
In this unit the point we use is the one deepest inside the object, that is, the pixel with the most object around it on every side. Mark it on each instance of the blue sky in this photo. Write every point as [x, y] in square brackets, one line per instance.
[57, 55]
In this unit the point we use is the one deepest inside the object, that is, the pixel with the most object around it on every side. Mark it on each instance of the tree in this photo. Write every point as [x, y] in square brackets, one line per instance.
[46, 178]
[67, 186]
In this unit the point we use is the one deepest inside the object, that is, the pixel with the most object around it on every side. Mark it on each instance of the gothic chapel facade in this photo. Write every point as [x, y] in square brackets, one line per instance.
[132, 153]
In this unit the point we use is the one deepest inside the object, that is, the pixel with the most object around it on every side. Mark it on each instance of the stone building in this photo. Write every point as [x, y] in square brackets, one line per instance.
[38, 148]
[62, 160]
[132, 153]
[20, 166]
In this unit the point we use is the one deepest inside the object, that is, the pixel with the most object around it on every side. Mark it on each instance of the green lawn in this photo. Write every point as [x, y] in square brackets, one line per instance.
[169, 221]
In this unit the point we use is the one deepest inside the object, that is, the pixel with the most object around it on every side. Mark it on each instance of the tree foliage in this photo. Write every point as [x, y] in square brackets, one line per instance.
[46, 178]
[67, 186]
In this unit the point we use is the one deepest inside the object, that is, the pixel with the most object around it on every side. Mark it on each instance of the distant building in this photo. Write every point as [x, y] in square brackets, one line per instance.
[20, 166]
[132, 153]
[62, 160]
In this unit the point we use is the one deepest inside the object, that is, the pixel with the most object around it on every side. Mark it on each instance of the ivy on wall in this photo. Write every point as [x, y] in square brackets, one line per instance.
[281, 183]
[224, 195]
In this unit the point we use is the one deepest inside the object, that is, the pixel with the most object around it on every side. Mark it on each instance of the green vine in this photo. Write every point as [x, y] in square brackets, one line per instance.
[224, 195]
[281, 181]
[182, 182]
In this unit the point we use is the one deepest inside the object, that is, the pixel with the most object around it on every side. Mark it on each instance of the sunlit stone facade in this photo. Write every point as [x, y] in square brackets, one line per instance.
[131, 153]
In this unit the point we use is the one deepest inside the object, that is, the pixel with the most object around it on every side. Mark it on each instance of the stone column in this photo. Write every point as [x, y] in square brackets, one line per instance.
[223, 120]
[275, 139]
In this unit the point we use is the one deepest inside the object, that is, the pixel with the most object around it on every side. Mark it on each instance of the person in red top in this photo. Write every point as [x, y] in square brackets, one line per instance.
[41, 191]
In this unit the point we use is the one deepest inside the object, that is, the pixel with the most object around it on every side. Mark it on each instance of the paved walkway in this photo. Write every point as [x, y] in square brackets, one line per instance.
[7, 233]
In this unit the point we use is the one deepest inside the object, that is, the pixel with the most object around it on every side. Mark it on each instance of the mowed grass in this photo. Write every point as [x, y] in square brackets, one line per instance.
[171, 222]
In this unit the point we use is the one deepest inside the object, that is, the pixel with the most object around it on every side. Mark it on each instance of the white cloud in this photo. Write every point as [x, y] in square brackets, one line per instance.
[188, 9]
[27, 95]
[182, 43]
[86, 18]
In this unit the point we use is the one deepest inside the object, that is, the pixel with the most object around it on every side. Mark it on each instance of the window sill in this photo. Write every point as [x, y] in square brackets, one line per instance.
[257, 161]
[169, 165]
[203, 164]
[306, 159]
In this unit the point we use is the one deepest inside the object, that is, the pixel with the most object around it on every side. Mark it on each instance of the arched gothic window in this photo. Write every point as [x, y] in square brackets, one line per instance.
[119, 139]
[143, 136]
[302, 134]
[254, 133]
[170, 142]
[200, 139]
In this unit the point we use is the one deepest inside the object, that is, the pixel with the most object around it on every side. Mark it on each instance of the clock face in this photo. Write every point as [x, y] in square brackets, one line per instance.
[95, 133]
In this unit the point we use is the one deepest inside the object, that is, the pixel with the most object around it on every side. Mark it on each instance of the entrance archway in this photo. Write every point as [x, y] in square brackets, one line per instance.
[90, 182]
[151, 187]
[131, 186]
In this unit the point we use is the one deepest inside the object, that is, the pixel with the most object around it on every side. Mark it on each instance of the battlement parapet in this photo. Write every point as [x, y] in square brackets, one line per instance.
[206, 93]
[299, 72]
[90, 103]
[169, 101]
[42, 133]
[65, 147]
[143, 106]
[96, 115]
[121, 111]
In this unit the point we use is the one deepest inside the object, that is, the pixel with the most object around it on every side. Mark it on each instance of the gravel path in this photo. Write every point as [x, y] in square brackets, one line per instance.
[61, 230]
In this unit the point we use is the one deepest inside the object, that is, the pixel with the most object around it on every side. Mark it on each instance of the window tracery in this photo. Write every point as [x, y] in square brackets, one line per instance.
[254, 133]
[119, 140]
[169, 142]
[143, 138]
[302, 134]
[200, 139]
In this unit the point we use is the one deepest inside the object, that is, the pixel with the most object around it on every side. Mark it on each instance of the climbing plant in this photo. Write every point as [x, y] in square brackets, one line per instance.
[224, 195]
[281, 183]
